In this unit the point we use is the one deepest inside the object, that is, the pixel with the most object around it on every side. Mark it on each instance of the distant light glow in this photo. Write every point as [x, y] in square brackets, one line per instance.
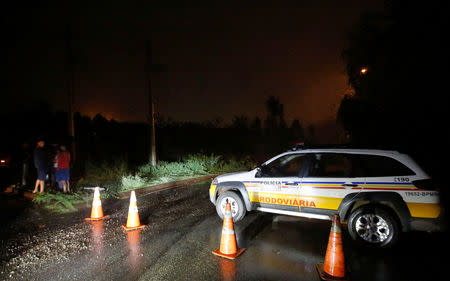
[364, 70]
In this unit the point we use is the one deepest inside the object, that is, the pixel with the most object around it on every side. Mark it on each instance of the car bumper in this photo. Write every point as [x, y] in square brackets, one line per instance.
[429, 225]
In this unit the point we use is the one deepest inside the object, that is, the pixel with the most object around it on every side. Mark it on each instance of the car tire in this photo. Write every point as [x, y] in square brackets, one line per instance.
[373, 226]
[237, 205]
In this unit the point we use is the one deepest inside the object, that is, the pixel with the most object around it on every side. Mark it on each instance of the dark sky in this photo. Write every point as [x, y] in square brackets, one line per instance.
[221, 61]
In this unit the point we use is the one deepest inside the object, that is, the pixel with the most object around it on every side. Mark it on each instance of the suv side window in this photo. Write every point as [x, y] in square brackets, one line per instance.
[286, 166]
[382, 166]
[333, 165]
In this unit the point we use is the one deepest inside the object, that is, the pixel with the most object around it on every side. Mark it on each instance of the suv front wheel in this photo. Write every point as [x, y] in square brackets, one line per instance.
[374, 226]
[237, 205]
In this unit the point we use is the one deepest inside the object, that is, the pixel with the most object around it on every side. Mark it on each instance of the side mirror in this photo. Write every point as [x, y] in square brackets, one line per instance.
[258, 172]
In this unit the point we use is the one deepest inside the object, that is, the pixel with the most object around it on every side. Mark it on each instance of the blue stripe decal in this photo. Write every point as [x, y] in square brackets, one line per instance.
[283, 182]
[390, 183]
[336, 182]
[325, 182]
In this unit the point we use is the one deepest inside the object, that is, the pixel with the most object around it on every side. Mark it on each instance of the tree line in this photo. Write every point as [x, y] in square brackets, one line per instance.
[400, 99]
[99, 140]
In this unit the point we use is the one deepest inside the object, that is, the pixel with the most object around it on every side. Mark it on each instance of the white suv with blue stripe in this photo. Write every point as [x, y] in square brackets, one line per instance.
[379, 193]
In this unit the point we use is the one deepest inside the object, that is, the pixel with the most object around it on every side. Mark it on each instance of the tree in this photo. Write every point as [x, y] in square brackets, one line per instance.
[256, 124]
[240, 122]
[400, 94]
[275, 113]
[297, 130]
[401, 100]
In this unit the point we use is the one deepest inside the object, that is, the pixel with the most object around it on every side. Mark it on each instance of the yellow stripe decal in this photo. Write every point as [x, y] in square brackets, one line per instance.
[424, 210]
[295, 200]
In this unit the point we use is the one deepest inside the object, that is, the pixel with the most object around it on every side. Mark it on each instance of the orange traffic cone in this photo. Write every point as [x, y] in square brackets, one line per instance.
[228, 248]
[133, 221]
[96, 211]
[333, 267]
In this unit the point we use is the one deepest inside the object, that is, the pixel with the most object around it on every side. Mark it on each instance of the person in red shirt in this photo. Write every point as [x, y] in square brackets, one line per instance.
[63, 169]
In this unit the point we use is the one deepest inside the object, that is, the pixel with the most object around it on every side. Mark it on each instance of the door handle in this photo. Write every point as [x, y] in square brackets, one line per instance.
[291, 183]
[349, 184]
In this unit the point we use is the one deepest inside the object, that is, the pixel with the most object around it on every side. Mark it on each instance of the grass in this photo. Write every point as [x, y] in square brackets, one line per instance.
[189, 167]
[116, 178]
[59, 202]
[107, 175]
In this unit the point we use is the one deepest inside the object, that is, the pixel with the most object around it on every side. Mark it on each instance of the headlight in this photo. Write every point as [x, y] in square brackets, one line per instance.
[212, 189]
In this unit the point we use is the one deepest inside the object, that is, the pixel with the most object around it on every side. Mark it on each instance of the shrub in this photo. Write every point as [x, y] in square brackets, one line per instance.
[107, 175]
[105, 171]
[131, 182]
[115, 177]
[203, 164]
[60, 202]
[191, 165]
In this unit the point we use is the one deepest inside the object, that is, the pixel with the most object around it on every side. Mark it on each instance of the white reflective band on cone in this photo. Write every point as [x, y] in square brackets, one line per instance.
[227, 231]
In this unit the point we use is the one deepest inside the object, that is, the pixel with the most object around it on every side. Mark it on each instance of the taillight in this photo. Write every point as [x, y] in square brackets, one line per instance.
[424, 184]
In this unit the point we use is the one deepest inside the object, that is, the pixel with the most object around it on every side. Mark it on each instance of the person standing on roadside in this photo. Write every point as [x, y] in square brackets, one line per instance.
[41, 166]
[63, 168]
[52, 153]
[25, 158]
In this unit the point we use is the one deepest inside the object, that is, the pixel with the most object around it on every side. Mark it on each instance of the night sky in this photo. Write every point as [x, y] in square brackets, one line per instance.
[220, 61]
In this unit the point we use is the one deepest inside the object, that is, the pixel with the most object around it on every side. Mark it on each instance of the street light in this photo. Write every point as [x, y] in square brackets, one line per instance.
[363, 70]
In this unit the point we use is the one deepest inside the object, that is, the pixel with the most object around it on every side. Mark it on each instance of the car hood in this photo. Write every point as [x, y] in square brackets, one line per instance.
[234, 176]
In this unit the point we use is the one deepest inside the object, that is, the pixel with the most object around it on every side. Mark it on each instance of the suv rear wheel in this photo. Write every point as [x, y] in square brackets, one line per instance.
[236, 202]
[374, 226]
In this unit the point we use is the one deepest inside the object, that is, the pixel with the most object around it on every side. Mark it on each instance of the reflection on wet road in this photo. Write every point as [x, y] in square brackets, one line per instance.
[97, 239]
[134, 246]
[183, 229]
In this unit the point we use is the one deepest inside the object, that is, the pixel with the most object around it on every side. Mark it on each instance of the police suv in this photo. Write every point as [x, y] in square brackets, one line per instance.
[379, 193]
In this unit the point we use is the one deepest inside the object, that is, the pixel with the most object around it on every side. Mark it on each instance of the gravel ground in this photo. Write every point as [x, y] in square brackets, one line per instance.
[36, 242]
[36, 237]
[182, 231]
[29, 252]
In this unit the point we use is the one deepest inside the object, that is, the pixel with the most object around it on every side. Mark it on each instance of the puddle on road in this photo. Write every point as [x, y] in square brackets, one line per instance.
[98, 253]
[97, 237]
[134, 257]
[278, 248]
[288, 248]
[227, 269]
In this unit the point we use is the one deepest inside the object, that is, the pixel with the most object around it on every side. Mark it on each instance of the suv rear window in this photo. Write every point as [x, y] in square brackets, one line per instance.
[382, 166]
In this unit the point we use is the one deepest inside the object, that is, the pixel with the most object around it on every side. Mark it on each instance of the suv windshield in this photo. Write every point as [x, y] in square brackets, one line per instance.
[285, 166]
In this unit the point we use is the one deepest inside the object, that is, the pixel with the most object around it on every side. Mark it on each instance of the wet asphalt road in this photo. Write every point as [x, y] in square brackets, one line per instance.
[182, 230]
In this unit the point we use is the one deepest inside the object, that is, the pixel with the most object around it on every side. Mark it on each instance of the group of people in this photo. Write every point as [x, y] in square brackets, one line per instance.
[61, 167]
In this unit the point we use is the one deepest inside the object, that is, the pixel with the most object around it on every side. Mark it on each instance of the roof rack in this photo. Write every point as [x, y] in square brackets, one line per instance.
[301, 146]
[297, 146]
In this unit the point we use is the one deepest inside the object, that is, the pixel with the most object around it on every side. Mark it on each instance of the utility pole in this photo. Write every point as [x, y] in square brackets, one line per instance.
[151, 104]
[70, 84]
